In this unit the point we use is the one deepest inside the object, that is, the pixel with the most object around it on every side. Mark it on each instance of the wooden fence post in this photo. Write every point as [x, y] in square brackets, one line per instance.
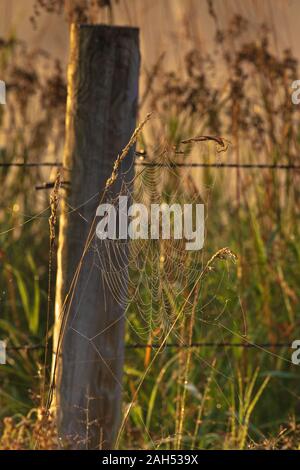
[100, 118]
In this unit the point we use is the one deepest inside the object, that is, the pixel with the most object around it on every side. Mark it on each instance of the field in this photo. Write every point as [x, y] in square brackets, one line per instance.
[208, 333]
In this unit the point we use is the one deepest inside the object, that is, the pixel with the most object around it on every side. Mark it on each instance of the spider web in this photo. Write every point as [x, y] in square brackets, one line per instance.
[156, 283]
[153, 277]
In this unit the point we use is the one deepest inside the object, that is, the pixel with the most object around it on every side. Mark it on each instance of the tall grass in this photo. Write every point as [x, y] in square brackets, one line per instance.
[201, 397]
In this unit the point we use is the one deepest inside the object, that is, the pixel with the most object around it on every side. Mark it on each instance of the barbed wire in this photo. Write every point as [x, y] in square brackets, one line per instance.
[208, 345]
[30, 164]
[25, 347]
[30, 347]
[271, 166]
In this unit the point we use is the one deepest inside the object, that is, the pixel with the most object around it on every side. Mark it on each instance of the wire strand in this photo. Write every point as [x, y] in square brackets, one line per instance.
[29, 347]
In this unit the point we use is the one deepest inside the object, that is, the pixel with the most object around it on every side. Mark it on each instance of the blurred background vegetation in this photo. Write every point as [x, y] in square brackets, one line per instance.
[235, 83]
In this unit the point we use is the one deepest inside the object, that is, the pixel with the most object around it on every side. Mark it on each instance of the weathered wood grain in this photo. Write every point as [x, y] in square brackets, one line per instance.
[101, 116]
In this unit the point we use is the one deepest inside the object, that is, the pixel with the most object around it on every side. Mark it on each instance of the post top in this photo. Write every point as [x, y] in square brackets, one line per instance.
[112, 28]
